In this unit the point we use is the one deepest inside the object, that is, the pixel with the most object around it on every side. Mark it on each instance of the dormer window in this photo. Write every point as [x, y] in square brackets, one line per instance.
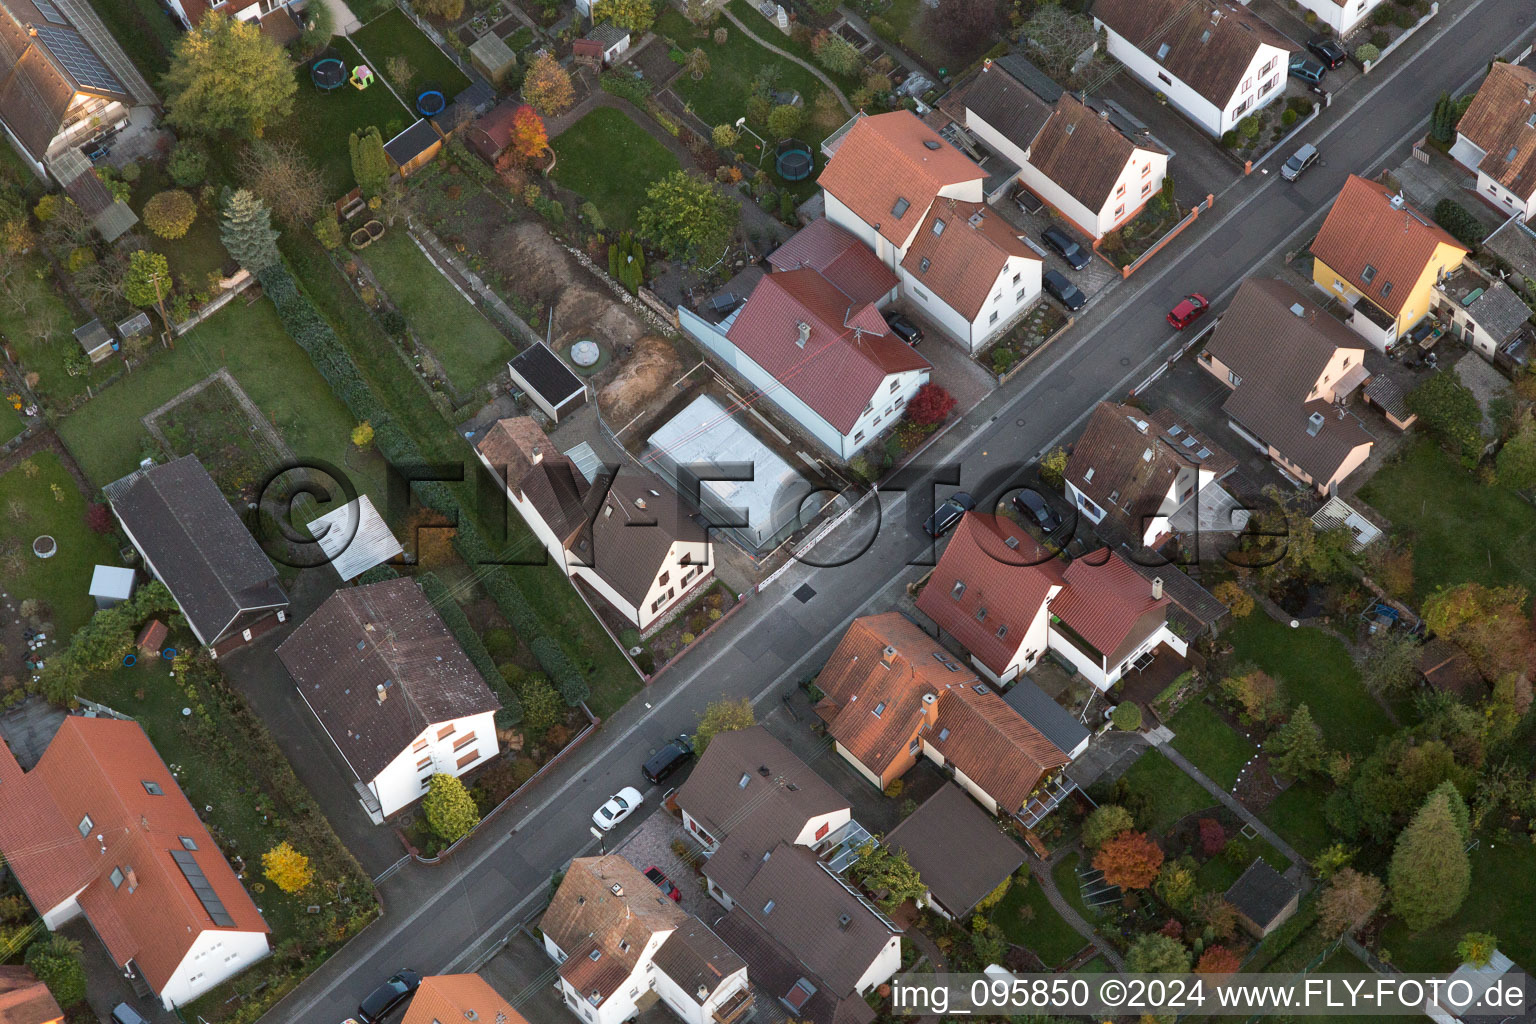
[879, 709]
[923, 265]
[1368, 274]
[981, 615]
[116, 878]
[1002, 631]
[900, 209]
[958, 590]
[1386, 289]
[85, 826]
[151, 787]
[938, 226]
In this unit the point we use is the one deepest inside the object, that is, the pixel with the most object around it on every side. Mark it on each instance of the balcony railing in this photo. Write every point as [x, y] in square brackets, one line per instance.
[736, 1007]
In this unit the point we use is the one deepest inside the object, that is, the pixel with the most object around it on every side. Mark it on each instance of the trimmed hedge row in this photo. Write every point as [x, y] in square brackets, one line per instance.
[318, 339]
[437, 592]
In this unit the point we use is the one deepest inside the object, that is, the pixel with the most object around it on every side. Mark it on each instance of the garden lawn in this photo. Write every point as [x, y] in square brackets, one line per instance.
[31, 507]
[1315, 669]
[108, 438]
[1500, 900]
[322, 122]
[1210, 743]
[46, 357]
[213, 425]
[470, 349]
[611, 160]
[11, 422]
[1297, 814]
[1169, 792]
[1218, 873]
[1045, 933]
[1065, 877]
[1460, 530]
[193, 256]
[393, 34]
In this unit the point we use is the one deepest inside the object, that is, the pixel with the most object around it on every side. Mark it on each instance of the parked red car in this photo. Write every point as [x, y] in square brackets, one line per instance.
[1192, 308]
[664, 883]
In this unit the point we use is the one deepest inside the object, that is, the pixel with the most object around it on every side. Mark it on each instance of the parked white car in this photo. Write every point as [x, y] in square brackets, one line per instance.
[619, 806]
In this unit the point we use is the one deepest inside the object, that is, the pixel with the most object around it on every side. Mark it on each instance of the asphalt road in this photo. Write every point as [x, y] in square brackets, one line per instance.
[448, 917]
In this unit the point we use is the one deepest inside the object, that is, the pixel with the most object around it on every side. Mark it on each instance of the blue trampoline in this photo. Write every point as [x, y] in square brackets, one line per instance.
[793, 160]
[328, 73]
[430, 102]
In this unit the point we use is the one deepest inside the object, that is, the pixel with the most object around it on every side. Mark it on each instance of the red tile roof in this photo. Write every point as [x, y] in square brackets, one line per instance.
[450, 998]
[841, 258]
[1007, 578]
[993, 744]
[848, 355]
[25, 1000]
[1364, 229]
[1104, 601]
[887, 159]
[1502, 123]
[98, 767]
[959, 252]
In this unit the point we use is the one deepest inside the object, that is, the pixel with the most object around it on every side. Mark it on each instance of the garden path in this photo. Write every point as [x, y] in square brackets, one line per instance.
[342, 17]
[1069, 913]
[765, 44]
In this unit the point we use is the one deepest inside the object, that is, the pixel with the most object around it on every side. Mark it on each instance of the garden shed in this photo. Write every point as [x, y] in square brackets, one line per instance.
[605, 44]
[355, 538]
[491, 133]
[111, 584]
[95, 340]
[1263, 897]
[553, 386]
[415, 147]
[492, 57]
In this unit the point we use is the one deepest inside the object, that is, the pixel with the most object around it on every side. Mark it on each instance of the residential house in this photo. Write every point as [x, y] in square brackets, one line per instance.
[918, 202]
[1342, 16]
[1382, 258]
[1291, 367]
[617, 938]
[1263, 898]
[393, 690]
[194, 542]
[777, 837]
[275, 16]
[445, 998]
[1151, 475]
[894, 695]
[1075, 157]
[65, 85]
[624, 534]
[1496, 138]
[1215, 61]
[811, 340]
[1108, 620]
[100, 828]
[946, 823]
[25, 1000]
[1482, 311]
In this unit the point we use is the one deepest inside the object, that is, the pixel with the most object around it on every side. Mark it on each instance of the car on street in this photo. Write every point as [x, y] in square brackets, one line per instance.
[122, 1013]
[1027, 201]
[1064, 244]
[1300, 160]
[664, 883]
[1190, 308]
[668, 759]
[1328, 50]
[1033, 508]
[1308, 69]
[619, 806]
[387, 996]
[903, 328]
[948, 514]
[1063, 291]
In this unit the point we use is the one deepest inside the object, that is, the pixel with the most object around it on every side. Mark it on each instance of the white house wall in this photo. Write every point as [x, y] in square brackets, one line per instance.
[1213, 119]
[882, 967]
[552, 544]
[214, 957]
[686, 1004]
[831, 822]
[1006, 299]
[1341, 18]
[400, 784]
[1504, 199]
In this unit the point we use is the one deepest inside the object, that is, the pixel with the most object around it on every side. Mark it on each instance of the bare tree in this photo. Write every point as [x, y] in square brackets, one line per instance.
[102, 281]
[961, 24]
[1054, 36]
[285, 179]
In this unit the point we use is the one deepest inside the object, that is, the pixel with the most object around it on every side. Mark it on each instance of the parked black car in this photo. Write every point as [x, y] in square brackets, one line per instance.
[903, 328]
[948, 514]
[1328, 50]
[1033, 508]
[387, 996]
[1308, 69]
[1069, 249]
[668, 759]
[1064, 291]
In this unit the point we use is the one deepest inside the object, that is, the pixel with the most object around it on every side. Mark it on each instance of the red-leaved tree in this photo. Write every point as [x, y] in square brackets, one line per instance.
[1213, 838]
[1130, 860]
[529, 137]
[98, 517]
[1218, 960]
[932, 404]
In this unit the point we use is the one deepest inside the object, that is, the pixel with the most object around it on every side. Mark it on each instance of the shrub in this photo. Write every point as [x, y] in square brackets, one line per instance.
[1368, 53]
[328, 231]
[56, 962]
[449, 809]
[1229, 139]
[932, 404]
[1288, 117]
[1238, 601]
[785, 120]
[895, 788]
[287, 868]
[169, 214]
[1248, 128]
[1213, 838]
[80, 258]
[1458, 220]
[1127, 716]
[1104, 823]
[626, 86]
[188, 163]
[836, 54]
[725, 136]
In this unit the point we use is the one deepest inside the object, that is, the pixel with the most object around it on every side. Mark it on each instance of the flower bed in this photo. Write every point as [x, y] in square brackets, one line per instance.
[1028, 335]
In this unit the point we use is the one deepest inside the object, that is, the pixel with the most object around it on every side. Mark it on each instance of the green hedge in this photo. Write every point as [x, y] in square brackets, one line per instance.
[437, 592]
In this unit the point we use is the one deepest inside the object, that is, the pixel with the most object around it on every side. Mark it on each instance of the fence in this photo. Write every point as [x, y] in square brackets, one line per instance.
[1174, 357]
[243, 280]
[1253, 165]
[1367, 65]
[1173, 232]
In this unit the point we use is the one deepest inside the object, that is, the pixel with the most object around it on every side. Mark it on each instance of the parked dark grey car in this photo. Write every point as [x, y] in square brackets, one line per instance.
[387, 996]
[1064, 244]
[1064, 291]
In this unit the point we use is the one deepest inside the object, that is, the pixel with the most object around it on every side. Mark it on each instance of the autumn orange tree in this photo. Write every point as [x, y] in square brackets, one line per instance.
[1129, 860]
[1218, 960]
[547, 87]
[529, 137]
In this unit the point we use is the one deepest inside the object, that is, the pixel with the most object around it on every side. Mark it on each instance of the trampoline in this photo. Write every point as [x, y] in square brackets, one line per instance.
[430, 102]
[793, 160]
[328, 73]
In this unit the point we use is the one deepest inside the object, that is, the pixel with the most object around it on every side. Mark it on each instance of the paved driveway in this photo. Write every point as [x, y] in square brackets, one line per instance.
[1199, 165]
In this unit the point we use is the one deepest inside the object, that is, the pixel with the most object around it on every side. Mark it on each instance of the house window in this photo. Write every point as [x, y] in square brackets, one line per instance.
[1267, 68]
[915, 747]
[117, 878]
[1120, 191]
[922, 295]
[1146, 187]
[85, 826]
[419, 745]
[1368, 274]
[151, 787]
[468, 759]
[821, 833]
[879, 709]
[1247, 84]
[463, 742]
[959, 590]
[426, 783]
[1264, 90]
[1146, 169]
[858, 437]
[1164, 78]
[446, 731]
[187, 843]
[1020, 296]
[1002, 631]
[981, 615]
[657, 603]
[1119, 209]
[876, 422]
[993, 318]
[424, 763]
[1234, 379]
[1016, 278]
[1237, 111]
[894, 385]
[663, 579]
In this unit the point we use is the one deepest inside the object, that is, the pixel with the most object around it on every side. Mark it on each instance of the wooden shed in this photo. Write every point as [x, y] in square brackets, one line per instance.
[415, 147]
[492, 57]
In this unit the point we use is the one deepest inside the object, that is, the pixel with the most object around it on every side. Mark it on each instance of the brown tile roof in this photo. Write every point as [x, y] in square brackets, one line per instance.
[533, 466]
[1445, 667]
[774, 971]
[1500, 123]
[1210, 44]
[491, 133]
[998, 98]
[1082, 152]
[947, 822]
[959, 252]
[1007, 577]
[1364, 229]
[633, 531]
[1108, 603]
[25, 1000]
[845, 360]
[383, 634]
[851, 266]
[451, 998]
[995, 746]
[605, 906]
[890, 159]
[98, 767]
[1127, 461]
[695, 958]
[1279, 357]
[802, 905]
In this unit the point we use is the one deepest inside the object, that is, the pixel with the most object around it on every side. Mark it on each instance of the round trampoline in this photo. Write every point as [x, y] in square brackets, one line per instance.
[430, 102]
[793, 160]
[328, 73]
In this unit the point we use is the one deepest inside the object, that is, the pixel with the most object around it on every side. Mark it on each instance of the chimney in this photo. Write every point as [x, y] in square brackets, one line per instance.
[702, 993]
[1157, 588]
[1530, 91]
[843, 921]
[805, 334]
[382, 692]
[930, 708]
[640, 504]
[616, 889]
[536, 456]
[1104, 114]
[888, 656]
[1314, 424]
[1398, 201]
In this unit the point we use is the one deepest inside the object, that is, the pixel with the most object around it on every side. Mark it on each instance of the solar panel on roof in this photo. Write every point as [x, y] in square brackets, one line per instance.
[78, 58]
[200, 885]
[49, 11]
